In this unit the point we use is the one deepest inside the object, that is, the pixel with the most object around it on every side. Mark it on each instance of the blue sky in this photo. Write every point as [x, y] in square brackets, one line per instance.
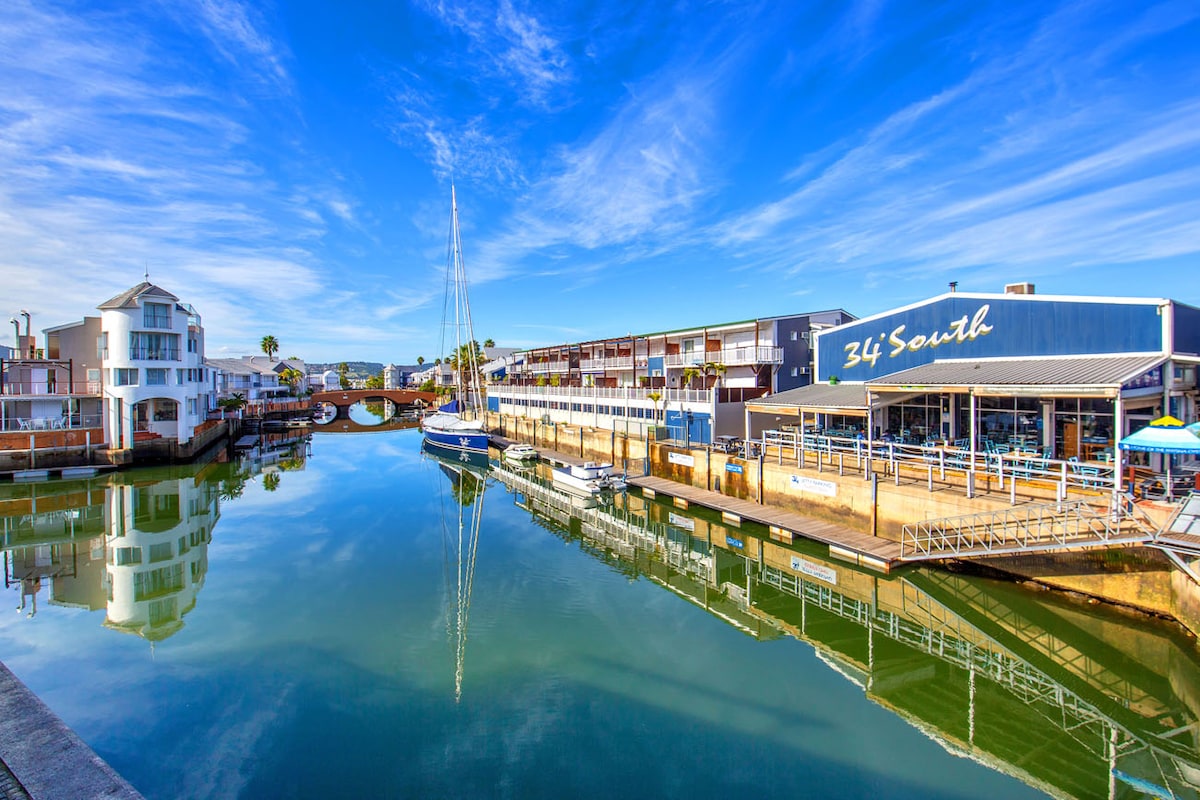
[286, 167]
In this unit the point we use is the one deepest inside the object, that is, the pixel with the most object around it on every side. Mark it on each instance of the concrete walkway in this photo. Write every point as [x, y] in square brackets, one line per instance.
[42, 758]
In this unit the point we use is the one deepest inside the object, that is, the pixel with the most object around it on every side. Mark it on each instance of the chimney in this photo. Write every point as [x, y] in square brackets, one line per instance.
[954, 286]
[1018, 288]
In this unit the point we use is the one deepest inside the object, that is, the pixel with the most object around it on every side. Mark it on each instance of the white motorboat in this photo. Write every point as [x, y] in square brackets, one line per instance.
[520, 452]
[588, 478]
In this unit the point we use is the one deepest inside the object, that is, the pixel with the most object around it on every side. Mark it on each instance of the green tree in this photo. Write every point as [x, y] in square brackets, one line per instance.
[463, 357]
[420, 360]
[269, 345]
[343, 377]
[713, 368]
[271, 481]
[690, 374]
[291, 377]
[654, 397]
[427, 386]
[489, 342]
[374, 382]
[234, 402]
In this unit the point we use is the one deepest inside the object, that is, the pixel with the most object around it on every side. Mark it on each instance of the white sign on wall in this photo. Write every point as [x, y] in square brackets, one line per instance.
[814, 486]
[813, 570]
[681, 459]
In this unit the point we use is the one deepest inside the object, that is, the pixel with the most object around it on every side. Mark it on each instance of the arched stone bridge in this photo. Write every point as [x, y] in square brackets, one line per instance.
[344, 398]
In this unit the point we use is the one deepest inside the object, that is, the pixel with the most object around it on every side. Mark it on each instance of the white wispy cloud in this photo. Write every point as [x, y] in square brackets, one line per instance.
[1031, 160]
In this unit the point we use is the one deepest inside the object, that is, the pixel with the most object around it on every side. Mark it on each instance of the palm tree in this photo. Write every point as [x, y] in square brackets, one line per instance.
[713, 367]
[654, 397]
[343, 378]
[420, 360]
[270, 345]
[291, 377]
[489, 342]
[463, 357]
[690, 374]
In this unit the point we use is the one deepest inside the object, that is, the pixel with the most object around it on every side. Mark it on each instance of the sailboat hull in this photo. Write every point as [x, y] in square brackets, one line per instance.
[468, 458]
[459, 440]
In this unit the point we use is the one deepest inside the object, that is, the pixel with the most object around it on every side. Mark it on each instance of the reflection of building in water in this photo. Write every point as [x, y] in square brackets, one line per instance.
[132, 545]
[157, 551]
[51, 540]
[1074, 701]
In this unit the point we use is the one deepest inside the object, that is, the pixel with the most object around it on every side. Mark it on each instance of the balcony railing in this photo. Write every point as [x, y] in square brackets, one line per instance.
[615, 362]
[43, 389]
[34, 424]
[589, 394]
[154, 353]
[730, 357]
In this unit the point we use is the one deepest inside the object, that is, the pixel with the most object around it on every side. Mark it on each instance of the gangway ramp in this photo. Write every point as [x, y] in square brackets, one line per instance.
[1035, 528]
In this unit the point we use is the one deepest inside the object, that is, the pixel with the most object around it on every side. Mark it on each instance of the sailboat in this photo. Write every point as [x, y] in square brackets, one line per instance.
[455, 425]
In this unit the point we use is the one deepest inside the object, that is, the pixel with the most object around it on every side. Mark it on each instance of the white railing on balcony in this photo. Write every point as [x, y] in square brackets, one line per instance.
[529, 368]
[594, 393]
[730, 356]
[43, 389]
[616, 362]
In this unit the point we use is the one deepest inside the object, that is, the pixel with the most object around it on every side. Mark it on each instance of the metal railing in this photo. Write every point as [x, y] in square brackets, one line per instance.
[1026, 529]
[730, 356]
[588, 394]
[936, 462]
[154, 354]
[38, 424]
[46, 389]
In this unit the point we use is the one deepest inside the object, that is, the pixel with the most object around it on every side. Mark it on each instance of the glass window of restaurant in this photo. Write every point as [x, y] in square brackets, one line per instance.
[916, 419]
[1012, 421]
[1083, 428]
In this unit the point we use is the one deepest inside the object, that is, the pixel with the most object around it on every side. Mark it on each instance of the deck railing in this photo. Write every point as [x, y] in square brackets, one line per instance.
[43, 388]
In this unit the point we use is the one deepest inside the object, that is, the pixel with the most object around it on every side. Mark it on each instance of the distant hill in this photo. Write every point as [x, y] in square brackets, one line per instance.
[355, 370]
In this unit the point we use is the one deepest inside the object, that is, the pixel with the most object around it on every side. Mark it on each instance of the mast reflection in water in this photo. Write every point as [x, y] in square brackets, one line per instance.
[467, 472]
[301, 605]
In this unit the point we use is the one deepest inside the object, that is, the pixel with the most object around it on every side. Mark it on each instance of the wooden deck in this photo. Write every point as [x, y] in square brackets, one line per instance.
[844, 543]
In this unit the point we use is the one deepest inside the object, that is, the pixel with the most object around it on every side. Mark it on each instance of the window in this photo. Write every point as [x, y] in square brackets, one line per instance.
[156, 315]
[125, 377]
[156, 377]
[166, 411]
[795, 371]
[102, 346]
[191, 406]
[793, 336]
[93, 375]
[179, 376]
[154, 346]
[193, 345]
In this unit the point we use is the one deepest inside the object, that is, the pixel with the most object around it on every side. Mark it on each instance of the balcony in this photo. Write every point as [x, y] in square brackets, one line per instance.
[593, 393]
[154, 354]
[749, 355]
[44, 388]
[601, 364]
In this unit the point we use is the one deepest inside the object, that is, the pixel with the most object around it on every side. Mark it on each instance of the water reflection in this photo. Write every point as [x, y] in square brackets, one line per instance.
[1076, 701]
[467, 474]
[134, 544]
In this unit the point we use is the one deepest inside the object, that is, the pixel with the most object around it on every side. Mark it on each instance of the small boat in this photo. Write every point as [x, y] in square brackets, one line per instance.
[588, 478]
[520, 452]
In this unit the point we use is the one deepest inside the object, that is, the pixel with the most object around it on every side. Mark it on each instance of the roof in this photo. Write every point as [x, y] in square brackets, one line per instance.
[127, 298]
[835, 397]
[1097, 372]
[238, 366]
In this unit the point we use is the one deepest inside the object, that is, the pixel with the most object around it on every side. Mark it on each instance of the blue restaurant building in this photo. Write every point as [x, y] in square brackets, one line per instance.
[1068, 375]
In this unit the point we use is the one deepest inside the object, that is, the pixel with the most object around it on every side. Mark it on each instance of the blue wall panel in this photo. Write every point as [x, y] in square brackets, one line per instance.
[1187, 329]
[493, 404]
[965, 327]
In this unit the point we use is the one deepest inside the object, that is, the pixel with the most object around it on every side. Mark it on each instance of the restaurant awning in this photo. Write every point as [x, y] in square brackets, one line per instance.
[1070, 376]
[819, 398]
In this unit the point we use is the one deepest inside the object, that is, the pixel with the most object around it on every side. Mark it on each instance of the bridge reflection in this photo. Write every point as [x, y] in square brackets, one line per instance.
[1069, 699]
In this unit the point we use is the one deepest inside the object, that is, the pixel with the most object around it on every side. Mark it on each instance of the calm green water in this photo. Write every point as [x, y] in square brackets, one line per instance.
[294, 629]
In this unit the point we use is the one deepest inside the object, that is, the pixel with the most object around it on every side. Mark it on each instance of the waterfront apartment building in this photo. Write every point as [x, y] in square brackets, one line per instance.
[693, 382]
[258, 378]
[134, 372]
